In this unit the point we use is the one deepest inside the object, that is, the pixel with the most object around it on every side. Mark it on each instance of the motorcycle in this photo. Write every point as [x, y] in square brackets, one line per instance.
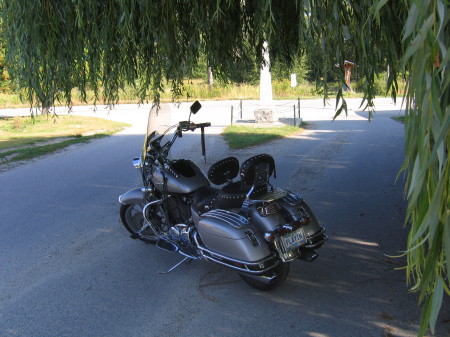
[245, 224]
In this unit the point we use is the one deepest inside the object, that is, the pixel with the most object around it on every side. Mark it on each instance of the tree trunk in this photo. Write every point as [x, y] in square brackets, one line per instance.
[46, 104]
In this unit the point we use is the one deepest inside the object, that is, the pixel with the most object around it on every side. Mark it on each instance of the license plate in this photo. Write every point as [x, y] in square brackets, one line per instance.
[294, 240]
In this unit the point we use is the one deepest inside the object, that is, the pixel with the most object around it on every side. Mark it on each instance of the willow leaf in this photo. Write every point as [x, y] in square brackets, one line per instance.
[416, 245]
[446, 59]
[436, 302]
[417, 176]
[377, 9]
[425, 317]
[416, 44]
[410, 23]
[441, 12]
[431, 217]
[446, 243]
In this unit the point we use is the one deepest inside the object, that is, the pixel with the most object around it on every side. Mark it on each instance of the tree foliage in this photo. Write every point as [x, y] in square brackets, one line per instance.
[55, 46]
[93, 44]
[426, 35]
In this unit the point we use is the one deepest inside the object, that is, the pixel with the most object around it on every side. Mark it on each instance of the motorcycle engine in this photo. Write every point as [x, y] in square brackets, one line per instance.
[179, 209]
[181, 233]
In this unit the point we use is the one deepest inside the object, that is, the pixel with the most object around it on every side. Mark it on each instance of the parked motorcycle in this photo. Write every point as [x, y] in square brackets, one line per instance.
[233, 216]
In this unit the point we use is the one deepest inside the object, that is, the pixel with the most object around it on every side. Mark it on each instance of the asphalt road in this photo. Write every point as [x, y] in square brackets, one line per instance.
[68, 268]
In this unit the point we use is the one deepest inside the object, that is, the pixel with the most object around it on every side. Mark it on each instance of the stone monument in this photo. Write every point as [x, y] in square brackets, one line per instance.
[266, 109]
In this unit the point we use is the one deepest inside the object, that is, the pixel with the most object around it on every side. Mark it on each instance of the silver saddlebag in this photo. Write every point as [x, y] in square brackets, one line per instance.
[230, 235]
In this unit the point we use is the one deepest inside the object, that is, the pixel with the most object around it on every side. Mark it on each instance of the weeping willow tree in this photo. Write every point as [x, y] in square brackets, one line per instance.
[426, 37]
[103, 45]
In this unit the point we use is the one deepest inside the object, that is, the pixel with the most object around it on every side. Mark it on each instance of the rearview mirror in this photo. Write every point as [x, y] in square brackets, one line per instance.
[195, 107]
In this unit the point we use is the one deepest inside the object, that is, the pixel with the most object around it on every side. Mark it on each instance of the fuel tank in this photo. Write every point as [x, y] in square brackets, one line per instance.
[231, 235]
[182, 176]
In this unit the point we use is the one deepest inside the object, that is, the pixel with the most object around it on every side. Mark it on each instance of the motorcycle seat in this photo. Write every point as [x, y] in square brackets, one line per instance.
[223, 171]
[208, 198]
[255, 172]
[228, 196]
[231, 195]
[203, 198]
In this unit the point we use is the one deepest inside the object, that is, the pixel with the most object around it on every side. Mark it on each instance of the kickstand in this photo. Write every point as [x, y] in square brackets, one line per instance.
[186, 259]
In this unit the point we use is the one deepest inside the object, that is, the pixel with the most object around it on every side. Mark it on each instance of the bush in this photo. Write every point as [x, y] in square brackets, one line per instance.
[379, 85]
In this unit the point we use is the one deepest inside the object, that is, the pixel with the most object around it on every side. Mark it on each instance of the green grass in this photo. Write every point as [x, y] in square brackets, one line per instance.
[23, 138]
[36, 151]
[400, 119]
[195, 89]
[238, 136]
[198, 89]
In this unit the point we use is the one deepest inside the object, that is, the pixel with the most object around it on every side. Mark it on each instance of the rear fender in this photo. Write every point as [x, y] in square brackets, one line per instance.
[134, 196]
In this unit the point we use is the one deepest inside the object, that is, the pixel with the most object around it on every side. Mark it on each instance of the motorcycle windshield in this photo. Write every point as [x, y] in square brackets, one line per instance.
[158, 122]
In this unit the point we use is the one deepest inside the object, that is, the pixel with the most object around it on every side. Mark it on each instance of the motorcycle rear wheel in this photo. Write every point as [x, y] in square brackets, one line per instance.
[133, 220]
[281, 271]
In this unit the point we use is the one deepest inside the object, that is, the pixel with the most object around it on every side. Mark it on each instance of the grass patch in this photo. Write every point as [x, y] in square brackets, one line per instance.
[238, 136]
[36, 151]
[24, 131]
[198, 89]
[400, 119]
[23, 138]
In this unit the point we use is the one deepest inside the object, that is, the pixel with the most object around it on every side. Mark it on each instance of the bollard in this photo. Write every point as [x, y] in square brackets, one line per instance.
[299, 108]
[231, 115]
[295, 124]
[240, 106]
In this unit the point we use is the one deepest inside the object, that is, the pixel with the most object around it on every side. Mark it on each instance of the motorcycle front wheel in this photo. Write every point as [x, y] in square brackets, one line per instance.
[267, 281]
[133, 220]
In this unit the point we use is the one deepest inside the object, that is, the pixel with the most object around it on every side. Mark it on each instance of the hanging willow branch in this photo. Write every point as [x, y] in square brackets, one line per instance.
[55, 46]
[103, 45]
[427, 37]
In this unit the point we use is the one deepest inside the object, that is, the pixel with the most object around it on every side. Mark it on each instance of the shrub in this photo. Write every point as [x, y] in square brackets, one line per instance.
[380, 85]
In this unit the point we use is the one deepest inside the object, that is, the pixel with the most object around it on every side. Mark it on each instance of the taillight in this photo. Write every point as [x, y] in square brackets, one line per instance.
[302, 222]
[285, 229]
[297, 224]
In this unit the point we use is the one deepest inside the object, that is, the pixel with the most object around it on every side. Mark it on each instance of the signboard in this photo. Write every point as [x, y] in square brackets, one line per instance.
[293, 80]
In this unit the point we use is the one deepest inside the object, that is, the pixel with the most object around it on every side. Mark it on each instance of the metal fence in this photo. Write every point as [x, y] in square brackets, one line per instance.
[244, 111]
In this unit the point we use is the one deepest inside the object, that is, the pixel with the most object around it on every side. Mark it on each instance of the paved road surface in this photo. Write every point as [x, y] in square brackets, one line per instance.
[68, 268]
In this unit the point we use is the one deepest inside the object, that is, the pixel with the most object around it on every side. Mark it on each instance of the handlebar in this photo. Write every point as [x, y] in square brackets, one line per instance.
[162, 150]
[185, 126]
[203, 125]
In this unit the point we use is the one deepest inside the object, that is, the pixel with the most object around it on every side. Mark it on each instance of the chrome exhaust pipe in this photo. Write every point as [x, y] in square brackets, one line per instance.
[308, 255]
